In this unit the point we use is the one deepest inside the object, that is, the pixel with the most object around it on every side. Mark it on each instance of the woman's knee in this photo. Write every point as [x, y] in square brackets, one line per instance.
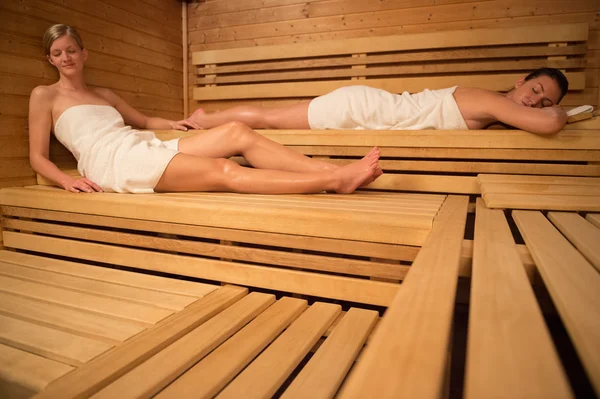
[240, 133]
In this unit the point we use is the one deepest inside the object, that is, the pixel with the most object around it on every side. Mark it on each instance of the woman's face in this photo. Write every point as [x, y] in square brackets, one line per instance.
[538, 92]
[67, 56]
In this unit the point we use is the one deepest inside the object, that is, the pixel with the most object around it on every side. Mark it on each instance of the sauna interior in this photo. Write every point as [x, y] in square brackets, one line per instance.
[470, 269]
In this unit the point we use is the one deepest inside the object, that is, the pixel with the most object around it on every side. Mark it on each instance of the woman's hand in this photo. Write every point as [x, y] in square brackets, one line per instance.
[184, 125]
[81, 185]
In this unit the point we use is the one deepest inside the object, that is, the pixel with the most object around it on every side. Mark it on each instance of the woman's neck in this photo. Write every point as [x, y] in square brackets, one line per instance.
[72, 83]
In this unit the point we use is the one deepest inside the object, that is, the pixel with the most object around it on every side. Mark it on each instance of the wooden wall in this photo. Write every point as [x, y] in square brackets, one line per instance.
[135, 49]
[219, 24]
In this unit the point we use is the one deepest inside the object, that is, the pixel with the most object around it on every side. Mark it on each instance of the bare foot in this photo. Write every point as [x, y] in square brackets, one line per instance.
[197, 116]
[378, 172]
[355, 174]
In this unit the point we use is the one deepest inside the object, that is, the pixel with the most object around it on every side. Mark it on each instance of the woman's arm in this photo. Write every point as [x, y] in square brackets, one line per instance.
[547, 120]
[135, 118]
[40, 123]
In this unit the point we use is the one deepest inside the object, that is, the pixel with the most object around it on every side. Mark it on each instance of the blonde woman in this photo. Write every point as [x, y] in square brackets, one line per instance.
[94, 124]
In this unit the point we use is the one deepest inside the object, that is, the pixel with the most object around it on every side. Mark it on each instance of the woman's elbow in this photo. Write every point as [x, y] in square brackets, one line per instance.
[552, 124]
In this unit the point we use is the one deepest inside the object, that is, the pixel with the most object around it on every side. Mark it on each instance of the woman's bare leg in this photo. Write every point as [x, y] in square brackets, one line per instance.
[190, 173]
[286, 117]
[236, 138]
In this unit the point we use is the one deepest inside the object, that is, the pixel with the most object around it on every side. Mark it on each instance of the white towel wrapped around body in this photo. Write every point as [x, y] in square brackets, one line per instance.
[363, 107]
[112, 155]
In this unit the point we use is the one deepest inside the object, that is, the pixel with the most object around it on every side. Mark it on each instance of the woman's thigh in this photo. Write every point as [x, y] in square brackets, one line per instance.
[212, 143]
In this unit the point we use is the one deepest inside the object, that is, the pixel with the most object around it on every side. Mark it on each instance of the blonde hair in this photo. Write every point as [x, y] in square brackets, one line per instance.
[59, 30]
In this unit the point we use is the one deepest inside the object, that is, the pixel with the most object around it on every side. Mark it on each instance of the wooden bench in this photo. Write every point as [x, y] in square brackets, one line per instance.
[342, 250]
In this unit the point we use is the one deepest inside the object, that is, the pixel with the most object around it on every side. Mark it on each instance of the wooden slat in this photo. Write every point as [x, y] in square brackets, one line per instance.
[573, 284]
[117, 291]
[330, 286]
[90, 378]
[550, 180]
[22, 374]
[394, 85]
[509, 351]
[542, 202]
[148, 282]
[68, 319]
[464, 38]
[264, 375]
[407, 355]
[330, 223]
[360, 248]
[582, 234]
[457, 153]
[542, 189]
[48, 342]
[270, 75]
[512, 139]
[213, 372]
[89, 302]
[326, 370]
[454, 54]
[255, 255]
[593, 218]
[157, 372]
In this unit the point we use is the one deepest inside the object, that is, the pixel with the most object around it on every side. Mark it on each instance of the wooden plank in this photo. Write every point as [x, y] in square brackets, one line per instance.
[157, 372]
[427, 183]
[22, 374]
[511, 139]
[417, 56]
[90, 378]
[593, 218]
[521, 179]
[351, 289]
[509, 349]
[117, 291]
[89, 302]
[213, 372]
[574, 289]
[394, 85]
[48, 342]
[541, 189]
[360, 248]
[457, 153]
[271, 74]
[464, 38]
[255, 255]
[364, 226]
[542, 202]
[67, 319]
[407, 355]
[264, 375]
[325, 371]
[582, 234]
[148, 282]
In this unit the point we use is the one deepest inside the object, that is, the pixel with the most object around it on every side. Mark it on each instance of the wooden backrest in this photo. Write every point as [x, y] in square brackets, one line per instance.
[487, 58]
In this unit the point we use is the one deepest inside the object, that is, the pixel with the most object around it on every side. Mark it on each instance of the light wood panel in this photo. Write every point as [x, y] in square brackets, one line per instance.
[207, 377]
[582, 234]
[407, 354]
[509, 350]
[540, 192]
[573, 284]
[87, 380]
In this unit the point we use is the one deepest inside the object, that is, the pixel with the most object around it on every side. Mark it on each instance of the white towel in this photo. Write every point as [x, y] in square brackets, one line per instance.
[363, 107]
[112, 155]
